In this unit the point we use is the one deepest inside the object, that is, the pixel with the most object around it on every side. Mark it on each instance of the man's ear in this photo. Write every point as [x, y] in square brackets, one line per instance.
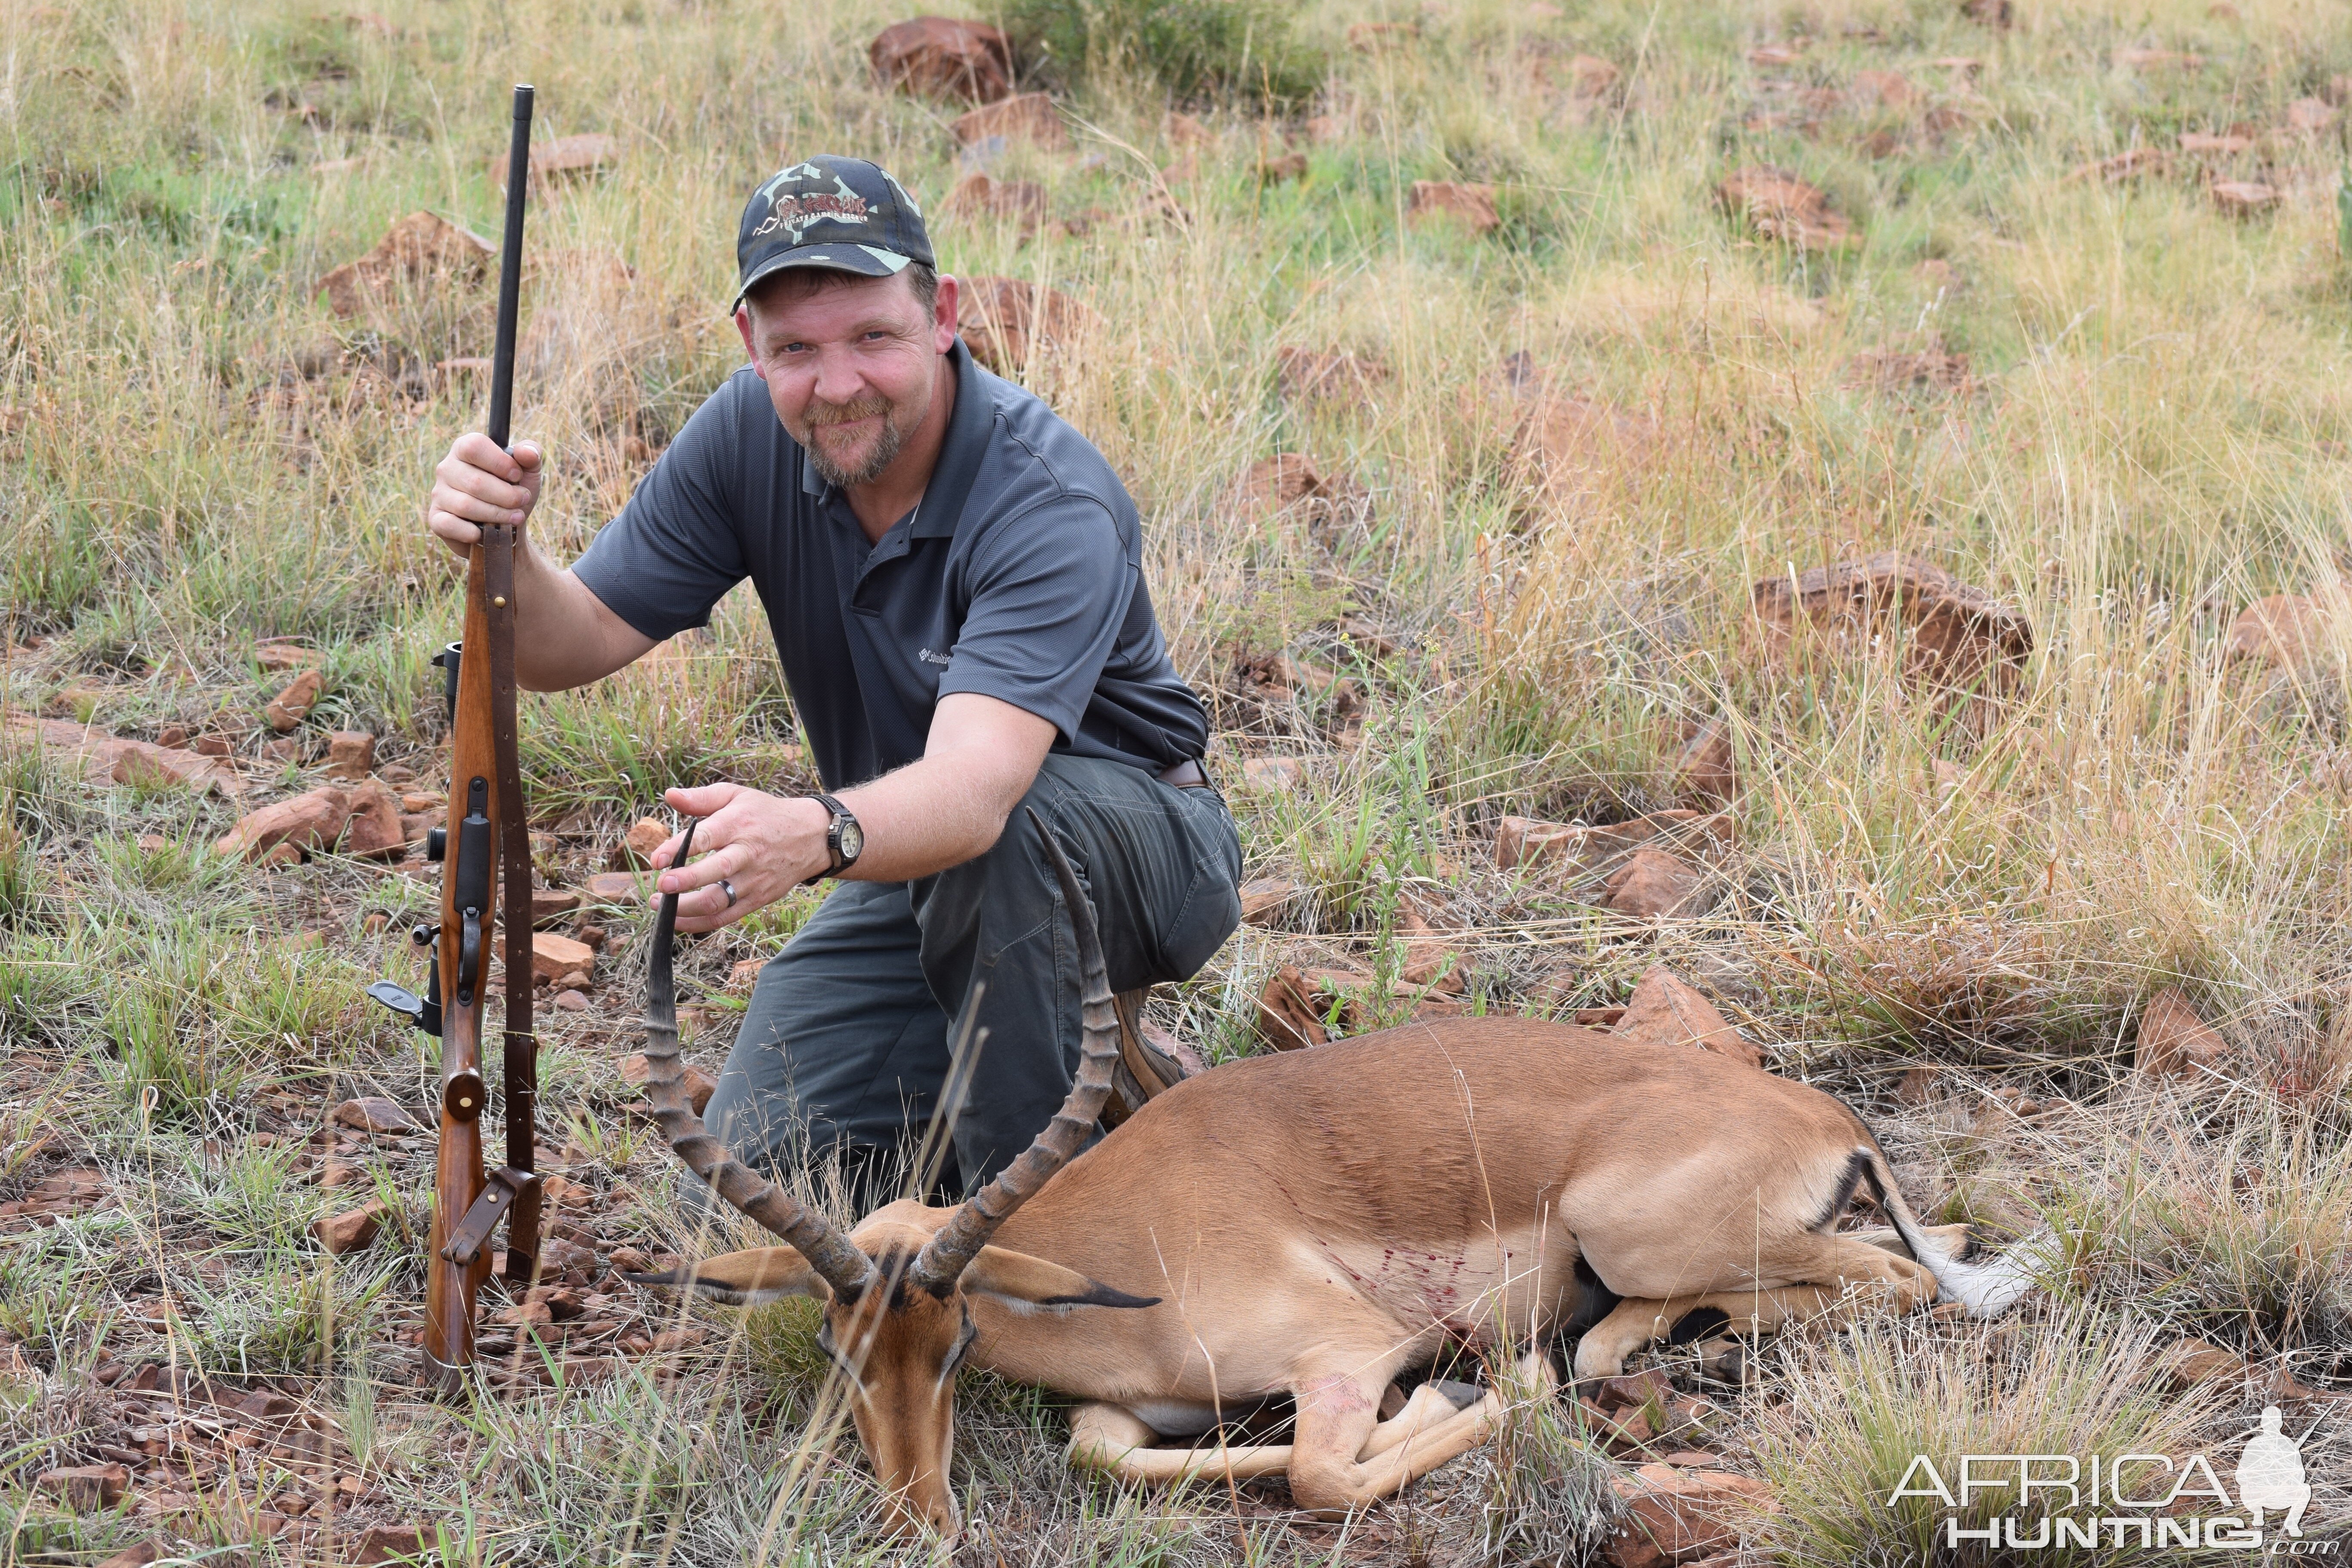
[1017, 1279]
[746, 1279]
[743, 331]
[943, 314]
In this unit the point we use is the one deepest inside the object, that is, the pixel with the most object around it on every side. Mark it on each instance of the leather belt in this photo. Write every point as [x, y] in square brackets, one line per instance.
[1186, 775]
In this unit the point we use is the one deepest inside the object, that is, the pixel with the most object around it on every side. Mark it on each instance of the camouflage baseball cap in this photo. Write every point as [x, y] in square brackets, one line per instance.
[844, 215]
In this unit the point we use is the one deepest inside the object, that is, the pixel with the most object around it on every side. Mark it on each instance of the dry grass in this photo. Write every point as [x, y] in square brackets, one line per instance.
[193, 455]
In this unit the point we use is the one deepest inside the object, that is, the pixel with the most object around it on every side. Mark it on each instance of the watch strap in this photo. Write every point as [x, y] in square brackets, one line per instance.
[839, 814]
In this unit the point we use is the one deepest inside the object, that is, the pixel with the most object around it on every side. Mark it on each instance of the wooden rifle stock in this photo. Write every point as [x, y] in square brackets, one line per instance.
[486, 879]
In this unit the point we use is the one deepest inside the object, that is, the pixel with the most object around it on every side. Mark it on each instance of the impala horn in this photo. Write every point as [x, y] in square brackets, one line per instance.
[949, 1252]
[830, 1253]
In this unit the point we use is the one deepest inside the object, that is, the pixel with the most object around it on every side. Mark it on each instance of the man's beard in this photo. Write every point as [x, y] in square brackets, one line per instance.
[880, 455]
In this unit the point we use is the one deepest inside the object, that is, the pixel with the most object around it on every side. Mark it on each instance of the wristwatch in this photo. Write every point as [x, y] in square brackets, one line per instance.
[845, 840]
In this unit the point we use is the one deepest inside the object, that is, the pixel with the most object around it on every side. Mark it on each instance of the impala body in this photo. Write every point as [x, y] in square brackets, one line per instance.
[1316, 1223]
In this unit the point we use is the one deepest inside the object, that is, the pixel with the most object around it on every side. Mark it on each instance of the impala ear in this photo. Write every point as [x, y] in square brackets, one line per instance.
[746, 1279]
[1017, 1279]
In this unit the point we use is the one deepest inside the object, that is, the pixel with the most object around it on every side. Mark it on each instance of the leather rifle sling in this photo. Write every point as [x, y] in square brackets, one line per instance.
[522, 1046]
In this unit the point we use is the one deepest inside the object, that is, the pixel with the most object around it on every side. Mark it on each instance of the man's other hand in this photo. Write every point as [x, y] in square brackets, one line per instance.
[761, 846]
[478, 483]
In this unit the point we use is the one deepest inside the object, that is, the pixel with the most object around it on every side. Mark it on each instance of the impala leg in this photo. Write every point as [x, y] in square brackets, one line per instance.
[1602, 1350]
[1838, 1272]
[1113, 1439]
[1337, 1418]
[1428, 1407]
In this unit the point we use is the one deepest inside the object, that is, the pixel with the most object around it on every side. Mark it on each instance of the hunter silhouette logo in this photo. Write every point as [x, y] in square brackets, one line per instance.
[2270, 1474]
[2046, 1502]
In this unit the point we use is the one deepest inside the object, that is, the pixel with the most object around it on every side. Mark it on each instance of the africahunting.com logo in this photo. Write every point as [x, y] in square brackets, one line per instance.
[2027, 1502]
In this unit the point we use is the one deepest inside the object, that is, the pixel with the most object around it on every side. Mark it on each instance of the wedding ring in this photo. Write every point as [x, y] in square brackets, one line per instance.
[728, 888]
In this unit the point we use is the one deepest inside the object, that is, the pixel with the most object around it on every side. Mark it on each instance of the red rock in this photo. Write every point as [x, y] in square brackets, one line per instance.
[396, 1543]
[1528, 840]
[137, 1556]
[1004, 320]
[375, 830]
[1673, 1517]
[375, 1113]
[290, 706]
[86, 1489]
[1185, 131]
[553, 904]
[561, 156]
[553, 956]
[2127, 165]
[943, 57]
[1274, 772]
[351, 754]
[2243, 198]
[419, 250]
[1292, 484]
[1288, 166]
[1591, 76]
[1266, 898]
[282, 654]
[1704, 770]
[1429, 963]
[67, 1191]
[1892, 88]
[571, 1001]
[558, 1256]
[699, 1085]
[1667, 1011]
[2198, 143]
[118, 760]
[745, 974]
[980, 195]
[311, 822]
[2174, 1042]
[1295, 1002]
[2310, 116]
[1029, 118]
[619, 887]
[1956, 636]
[1779, 206]
[1654, 885]
[2288, 630]
[1776, 55]
[1472, 205]
[1933, 369]
[635, 850]
[1316, 376]
[354, 1230]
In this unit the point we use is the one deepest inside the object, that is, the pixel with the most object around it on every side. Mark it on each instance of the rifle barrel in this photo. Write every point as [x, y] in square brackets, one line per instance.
[502, 361]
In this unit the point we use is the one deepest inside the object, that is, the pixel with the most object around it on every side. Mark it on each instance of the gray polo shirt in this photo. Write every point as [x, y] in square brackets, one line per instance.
[1020, 577]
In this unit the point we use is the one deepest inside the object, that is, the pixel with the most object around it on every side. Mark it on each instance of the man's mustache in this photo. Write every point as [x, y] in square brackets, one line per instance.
[821, 414]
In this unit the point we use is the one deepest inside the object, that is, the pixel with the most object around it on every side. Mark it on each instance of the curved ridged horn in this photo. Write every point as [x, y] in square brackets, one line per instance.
[830, 1253]
[949, 1252]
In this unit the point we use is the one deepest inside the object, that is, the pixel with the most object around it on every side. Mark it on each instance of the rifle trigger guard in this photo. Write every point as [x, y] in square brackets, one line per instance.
[469, 957]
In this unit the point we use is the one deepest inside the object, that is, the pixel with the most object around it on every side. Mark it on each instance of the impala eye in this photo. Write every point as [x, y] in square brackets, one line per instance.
[963, 1343]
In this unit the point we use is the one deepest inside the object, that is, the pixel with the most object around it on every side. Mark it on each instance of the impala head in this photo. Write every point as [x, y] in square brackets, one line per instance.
[897, 1288]
[897, 1341]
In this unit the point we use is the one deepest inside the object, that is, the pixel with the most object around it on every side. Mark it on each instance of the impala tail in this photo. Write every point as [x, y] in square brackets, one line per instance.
[1987, 1287]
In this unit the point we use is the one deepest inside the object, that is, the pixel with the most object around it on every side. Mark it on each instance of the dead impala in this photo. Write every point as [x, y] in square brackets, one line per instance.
[1313, 1224]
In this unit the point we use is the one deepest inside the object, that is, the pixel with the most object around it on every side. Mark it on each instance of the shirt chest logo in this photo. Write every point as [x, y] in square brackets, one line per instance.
[929, 657]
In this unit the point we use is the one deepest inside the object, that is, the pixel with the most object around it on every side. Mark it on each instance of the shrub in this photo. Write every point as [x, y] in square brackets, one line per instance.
[1192, 49]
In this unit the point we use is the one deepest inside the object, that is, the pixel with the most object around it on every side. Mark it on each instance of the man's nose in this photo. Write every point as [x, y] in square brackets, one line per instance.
[839, 378]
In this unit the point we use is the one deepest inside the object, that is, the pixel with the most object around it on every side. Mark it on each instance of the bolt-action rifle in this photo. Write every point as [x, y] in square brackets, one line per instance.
[485, 854]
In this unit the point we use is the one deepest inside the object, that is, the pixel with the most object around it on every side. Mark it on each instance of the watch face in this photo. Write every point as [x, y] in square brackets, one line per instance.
[853, 840]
